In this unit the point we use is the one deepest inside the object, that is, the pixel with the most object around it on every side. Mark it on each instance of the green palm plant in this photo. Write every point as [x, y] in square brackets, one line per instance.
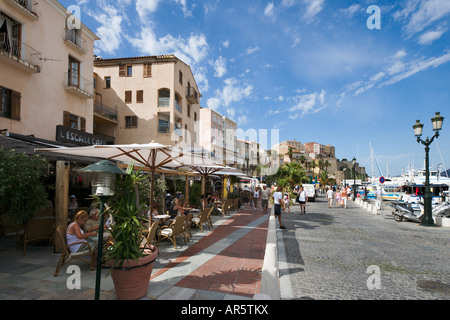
[125, 208]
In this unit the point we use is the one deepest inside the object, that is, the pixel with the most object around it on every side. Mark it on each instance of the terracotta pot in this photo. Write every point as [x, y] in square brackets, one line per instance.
[132, 279]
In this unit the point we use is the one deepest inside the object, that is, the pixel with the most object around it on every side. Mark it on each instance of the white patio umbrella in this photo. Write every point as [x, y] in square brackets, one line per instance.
[152, 155]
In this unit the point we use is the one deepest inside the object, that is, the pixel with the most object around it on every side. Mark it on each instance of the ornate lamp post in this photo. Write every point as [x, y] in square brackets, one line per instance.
[103, 185]
[418, 129]
[354, 178]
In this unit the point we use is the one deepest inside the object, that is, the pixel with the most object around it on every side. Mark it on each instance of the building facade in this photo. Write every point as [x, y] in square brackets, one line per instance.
[46, 68]
[218, 135]
[156, 98]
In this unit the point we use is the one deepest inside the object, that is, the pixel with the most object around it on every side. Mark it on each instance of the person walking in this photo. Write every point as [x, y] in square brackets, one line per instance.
[330, 197]
[302, 199]
[287, 201]
[256, 197]
[338, 197]
[265, 198]
[278, 204]
[344, 197]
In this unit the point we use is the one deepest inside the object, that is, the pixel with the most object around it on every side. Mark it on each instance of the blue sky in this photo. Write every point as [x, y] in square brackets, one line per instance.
[310, 68]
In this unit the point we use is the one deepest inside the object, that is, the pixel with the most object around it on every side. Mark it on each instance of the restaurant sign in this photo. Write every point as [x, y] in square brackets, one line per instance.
[80, 138]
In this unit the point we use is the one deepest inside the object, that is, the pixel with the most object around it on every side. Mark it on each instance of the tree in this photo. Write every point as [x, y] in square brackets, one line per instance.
[22, 190]
[290, 174]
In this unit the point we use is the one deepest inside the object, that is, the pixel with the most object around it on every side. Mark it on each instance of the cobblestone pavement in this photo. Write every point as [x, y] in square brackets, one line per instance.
[328, 253]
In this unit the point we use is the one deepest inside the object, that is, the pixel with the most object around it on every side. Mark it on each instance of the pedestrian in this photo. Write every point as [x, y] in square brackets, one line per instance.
[302, 199]
[338, 197]
[287, 201]
[265, 198]
[344, 197]
[256, 197]
[330, 197]
[278, 204]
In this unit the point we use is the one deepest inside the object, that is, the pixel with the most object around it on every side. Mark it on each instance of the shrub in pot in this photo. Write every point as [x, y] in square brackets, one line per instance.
[130, 259]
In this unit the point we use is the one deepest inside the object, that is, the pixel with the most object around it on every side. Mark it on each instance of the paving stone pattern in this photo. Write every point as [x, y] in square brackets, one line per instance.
[329, 251]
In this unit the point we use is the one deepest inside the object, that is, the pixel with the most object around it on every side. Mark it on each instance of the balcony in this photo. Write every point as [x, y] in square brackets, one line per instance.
[18, 53]
[106, 112]
[79, 85]
[192, 95]
[29, 8]
[73, 39]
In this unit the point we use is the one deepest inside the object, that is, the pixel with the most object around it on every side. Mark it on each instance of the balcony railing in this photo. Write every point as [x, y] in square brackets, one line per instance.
[192, 95]
[20, 52]
[73, 38]
[106, 112]
[29, 7]
[78, 84]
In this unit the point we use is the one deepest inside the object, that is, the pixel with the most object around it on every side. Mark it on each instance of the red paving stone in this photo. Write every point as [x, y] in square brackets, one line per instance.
[238, 220]
[236, 270]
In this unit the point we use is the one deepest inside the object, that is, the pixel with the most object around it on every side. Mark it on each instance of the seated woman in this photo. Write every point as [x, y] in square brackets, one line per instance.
[75, 233]
[176, 208]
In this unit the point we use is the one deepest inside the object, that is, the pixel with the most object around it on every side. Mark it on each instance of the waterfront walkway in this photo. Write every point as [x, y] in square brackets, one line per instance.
[222, 264]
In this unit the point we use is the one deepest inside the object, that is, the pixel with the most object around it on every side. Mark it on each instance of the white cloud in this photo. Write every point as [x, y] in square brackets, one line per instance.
[233, 91]
[421, 14]
[242, 120]
[350, 11]
[269, 11]
[146, 7]
[220, 67]
[249, 51]
[110, 31]
[307, 104]
[313, 7]
[430, 36]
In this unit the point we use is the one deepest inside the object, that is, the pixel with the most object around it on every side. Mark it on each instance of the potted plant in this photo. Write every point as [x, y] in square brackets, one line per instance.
[130, 259]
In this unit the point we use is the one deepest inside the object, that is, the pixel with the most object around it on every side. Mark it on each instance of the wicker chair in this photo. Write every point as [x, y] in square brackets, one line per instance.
[175, 229]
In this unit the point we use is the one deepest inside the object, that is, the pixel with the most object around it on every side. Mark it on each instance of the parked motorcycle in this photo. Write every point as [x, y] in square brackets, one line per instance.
[404, 211]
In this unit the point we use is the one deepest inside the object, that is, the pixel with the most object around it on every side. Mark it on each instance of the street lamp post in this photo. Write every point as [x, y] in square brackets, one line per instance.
[354, 178]
[437, 122]
[103, 185]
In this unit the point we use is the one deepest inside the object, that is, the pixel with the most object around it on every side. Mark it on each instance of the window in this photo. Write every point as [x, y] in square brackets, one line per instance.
[180, 77]
[148, 70]
[10, 35]
[74, 72]
[128, 97]
[140, 96]
[195, 116]
[10, 104]
[74, 122]
[131, 122]
[125, 70]
[163, 98]
[107, 82]
[163, 123]
[178, 103]
[189, 110]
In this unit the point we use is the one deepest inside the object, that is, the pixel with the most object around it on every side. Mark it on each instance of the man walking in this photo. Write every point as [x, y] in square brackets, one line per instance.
[330, 197]
[302, 198]
[277, 204]
[265, 198]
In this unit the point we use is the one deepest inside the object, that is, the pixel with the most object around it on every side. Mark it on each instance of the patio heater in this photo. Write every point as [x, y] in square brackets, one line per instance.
[103, 184]
[437, 122]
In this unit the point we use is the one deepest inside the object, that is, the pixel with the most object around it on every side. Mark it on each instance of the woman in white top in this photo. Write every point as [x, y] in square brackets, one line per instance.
[256, 198]
[75, 233]
[287, 201]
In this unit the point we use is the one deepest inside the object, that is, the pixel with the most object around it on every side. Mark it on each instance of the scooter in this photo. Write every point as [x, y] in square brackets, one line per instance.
[404, 211]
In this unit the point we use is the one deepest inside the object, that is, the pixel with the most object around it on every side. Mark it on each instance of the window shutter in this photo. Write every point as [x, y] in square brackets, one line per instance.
[148, 70]
[122, 71]
[140, 96]
[66, 120]
[128, 96]
[15, 105]
[83, 124]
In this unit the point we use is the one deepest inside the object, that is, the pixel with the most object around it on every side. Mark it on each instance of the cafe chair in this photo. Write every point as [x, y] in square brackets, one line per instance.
[175, 229]
[204, 217]
[151, 236]
[9, 229]
[41, 228]
[67, 256]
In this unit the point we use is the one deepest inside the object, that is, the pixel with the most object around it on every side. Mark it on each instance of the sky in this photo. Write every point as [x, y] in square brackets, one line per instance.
[346, 73]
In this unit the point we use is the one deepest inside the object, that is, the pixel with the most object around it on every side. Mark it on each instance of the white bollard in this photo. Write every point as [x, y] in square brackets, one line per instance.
[370, 207]
[375, 210]
[365, 205]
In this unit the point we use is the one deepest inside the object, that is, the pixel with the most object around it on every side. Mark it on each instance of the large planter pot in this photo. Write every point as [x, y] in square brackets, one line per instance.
[132, 279]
